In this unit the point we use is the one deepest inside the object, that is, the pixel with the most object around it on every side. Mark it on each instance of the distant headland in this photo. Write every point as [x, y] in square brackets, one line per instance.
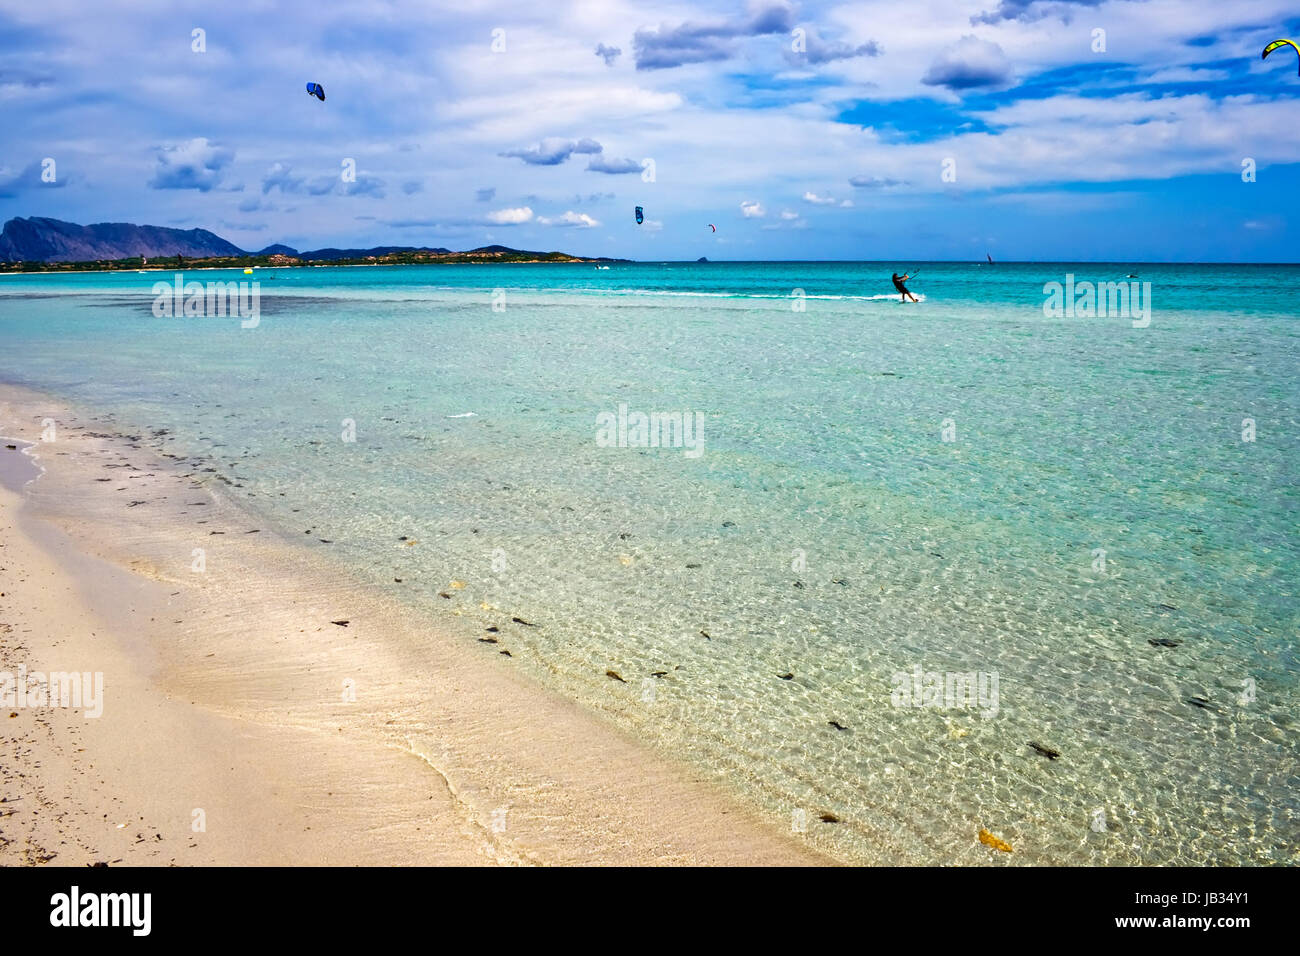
[51, 245]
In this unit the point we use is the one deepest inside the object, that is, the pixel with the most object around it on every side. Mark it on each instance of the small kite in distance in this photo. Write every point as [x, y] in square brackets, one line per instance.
[640, 215]
[713, 227]
[316, 90]
[1277, 44]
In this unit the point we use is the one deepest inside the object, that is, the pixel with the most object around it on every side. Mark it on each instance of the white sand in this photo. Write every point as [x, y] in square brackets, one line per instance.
[224, 692]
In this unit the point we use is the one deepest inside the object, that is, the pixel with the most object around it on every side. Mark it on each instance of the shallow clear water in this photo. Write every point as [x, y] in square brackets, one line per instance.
[881, 487]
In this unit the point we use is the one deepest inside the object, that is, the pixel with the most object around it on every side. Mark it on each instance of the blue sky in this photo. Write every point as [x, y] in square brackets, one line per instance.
[801, 130]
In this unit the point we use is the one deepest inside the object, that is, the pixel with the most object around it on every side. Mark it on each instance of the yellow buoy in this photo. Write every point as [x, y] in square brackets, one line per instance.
[248, 272]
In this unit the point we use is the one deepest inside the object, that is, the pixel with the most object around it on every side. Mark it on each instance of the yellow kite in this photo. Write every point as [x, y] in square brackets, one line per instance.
[1281, 43]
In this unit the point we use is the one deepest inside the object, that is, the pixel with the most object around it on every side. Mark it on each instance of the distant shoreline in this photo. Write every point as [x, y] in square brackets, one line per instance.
[303, 265]
[224, 264]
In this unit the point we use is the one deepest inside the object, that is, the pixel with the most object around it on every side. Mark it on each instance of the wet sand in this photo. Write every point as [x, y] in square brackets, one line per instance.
[241, 725]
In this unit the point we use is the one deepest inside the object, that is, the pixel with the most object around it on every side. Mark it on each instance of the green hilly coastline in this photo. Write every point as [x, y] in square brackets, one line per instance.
[51, 245]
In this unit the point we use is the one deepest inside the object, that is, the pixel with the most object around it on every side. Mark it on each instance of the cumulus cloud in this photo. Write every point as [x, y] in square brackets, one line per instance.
[553, 150]
[321, 185]
[603, 164]
[29, 177]
[752, 209]
[511, 217]
[817, 50]
[197, 164]
[970, 63]
[569, 219]
[607, 53]
[670, 46]
[1026, 11]
[281, 177]
[366, 185]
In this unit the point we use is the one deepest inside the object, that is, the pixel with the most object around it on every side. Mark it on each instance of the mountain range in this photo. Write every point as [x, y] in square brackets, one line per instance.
[39, 239]
[51, 240]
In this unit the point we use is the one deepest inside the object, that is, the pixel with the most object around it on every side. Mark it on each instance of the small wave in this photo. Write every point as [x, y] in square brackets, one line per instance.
[465, 415]
[13, 478]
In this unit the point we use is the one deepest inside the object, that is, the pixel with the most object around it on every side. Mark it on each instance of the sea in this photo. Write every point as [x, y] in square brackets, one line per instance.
[1018, 558]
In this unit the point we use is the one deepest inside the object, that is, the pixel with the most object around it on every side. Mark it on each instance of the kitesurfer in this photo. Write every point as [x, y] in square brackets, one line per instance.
[898, 284]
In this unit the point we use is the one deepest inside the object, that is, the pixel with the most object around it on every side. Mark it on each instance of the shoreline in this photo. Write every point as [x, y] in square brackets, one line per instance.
[226, 700]
[311, 265]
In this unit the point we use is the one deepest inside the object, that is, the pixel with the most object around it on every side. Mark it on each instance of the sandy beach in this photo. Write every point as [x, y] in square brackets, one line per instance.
[244, 723]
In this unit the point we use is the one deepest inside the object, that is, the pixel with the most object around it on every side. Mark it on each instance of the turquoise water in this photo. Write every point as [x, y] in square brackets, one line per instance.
[880, 487]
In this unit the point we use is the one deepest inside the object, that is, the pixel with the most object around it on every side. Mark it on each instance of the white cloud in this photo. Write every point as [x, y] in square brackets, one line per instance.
[553, 150]
[196, 164]
[970, 63]
[570, 219]
[752, 209]
[510, 217]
